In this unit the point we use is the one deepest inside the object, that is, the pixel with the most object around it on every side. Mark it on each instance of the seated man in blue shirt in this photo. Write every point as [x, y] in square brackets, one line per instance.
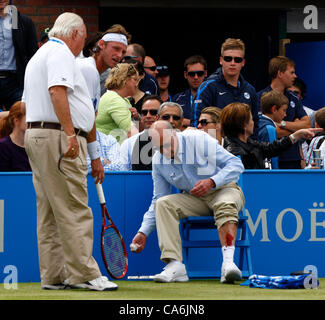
[207, 174]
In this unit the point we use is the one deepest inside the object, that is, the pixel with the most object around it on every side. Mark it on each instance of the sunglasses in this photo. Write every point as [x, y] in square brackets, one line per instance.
[168, 116]
[230, 58]
[152, 68]
[159, 68]
[152, 112]
[193, 73]
[205, 122]
[130, 59]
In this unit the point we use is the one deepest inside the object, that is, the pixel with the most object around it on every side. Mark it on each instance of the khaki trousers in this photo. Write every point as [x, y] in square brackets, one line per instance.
[224, 203]
[64, 220]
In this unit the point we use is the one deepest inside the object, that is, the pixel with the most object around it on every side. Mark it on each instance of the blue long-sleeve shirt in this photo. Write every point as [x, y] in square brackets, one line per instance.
[199, 156]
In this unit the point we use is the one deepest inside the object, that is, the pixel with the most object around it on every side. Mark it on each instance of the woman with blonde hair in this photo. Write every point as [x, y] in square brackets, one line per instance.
[13, 156]
[114, 115]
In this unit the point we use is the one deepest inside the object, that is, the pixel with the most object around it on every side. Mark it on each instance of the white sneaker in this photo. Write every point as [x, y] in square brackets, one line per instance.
[98, 284]
[174, 272]
[230, 273]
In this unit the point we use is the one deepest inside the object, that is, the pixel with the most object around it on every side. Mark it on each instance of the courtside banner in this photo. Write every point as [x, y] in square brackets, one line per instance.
[285, 209]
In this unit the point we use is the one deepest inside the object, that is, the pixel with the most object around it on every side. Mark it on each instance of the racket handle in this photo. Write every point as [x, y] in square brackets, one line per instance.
[100, 193]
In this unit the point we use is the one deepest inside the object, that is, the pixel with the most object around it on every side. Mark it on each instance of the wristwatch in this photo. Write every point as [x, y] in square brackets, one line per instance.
[283, 123]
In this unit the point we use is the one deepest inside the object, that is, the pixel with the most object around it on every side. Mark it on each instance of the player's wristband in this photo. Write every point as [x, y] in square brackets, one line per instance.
[93, 150]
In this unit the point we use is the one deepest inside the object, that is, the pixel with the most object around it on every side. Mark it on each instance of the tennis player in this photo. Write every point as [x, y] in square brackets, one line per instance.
[60, 128]
[106, 52]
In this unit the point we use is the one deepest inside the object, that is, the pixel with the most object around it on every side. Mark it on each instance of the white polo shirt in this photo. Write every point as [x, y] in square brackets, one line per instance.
[89, 70]
[55, 65]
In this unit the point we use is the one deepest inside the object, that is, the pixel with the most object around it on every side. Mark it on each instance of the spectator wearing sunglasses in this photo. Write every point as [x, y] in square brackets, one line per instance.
[136, 53]
[136, 152]
[209, 122]
[282, 73]
[137, 98]
[163, 79]
[173, 113]
[195, 71]
[150, 66]
[227, 85]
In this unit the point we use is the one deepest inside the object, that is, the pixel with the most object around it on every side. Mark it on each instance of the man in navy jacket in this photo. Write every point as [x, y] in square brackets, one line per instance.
[227, 85]
[282, 73]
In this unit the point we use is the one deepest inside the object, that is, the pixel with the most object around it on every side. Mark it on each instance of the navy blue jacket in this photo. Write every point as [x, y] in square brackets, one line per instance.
[149, 85]
[186, 101]
[215, 91]
[267, 133]
[295, 111]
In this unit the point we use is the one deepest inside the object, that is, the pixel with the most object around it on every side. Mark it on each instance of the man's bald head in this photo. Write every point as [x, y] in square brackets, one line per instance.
[163, 137]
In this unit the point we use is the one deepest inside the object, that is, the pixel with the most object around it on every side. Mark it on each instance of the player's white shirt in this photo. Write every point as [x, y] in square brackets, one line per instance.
[55, 65]
[89, 70]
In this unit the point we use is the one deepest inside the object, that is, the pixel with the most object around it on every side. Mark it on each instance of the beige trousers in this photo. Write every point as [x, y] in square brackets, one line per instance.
[64, 220]
[224, 203]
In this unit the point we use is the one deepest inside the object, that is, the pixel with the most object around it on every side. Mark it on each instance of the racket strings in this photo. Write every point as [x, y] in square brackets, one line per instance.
[114, 252]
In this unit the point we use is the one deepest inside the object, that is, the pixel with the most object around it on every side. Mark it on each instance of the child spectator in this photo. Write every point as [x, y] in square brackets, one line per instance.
[274, 105]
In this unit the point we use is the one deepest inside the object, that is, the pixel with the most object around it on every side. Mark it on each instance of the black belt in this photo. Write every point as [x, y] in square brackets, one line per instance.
[55, 126]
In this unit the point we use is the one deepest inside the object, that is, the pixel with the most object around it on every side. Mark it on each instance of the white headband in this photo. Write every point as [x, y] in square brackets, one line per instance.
[117, 37]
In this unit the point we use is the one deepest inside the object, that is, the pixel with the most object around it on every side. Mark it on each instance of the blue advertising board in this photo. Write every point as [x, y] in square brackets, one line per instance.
[285, 208]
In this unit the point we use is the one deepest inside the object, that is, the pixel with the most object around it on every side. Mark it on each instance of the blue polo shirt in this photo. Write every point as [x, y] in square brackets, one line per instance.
[295, 111]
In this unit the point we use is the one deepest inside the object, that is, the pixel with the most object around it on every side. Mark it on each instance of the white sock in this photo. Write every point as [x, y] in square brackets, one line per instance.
[172, 261]
[228, 253]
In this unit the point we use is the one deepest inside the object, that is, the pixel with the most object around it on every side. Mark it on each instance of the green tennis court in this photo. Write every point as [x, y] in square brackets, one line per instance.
[148, 290]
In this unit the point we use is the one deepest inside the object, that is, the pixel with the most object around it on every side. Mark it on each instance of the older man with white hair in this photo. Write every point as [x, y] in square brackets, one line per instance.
[60, 129]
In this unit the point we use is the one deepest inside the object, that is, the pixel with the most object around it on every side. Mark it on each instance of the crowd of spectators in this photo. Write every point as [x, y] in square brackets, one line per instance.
[121, 76]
